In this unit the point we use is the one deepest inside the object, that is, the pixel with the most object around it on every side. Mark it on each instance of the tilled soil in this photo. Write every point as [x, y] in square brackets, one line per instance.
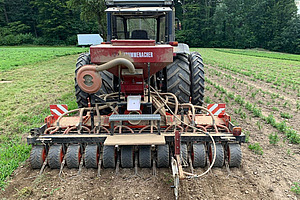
[267, 176]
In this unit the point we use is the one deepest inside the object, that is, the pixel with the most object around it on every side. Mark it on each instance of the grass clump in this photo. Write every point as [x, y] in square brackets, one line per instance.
[296, 188]
[256, 148]
[247, 134]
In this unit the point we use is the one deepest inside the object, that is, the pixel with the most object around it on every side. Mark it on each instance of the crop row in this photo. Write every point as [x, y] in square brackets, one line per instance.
[11, 57]
[290, 133]
[240, 81]
[266, 99]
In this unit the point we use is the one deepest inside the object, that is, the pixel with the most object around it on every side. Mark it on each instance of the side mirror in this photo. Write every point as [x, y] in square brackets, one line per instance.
[177, 24]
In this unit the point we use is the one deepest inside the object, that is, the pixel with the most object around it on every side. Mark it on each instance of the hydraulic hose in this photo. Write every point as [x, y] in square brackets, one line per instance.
[116, 62]
[90, 81]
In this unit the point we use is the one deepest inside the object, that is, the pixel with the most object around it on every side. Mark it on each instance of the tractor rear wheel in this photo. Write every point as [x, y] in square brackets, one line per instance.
[197, 78]
[106, 88]
[178, 78]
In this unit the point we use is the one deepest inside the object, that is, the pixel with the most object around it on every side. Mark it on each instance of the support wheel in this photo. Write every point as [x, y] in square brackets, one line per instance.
[163, 158]
[145, 156]
[197, 78]
[234, 155]
[37, 156]
[73, 156]
[55, 156]
[109, 157]
[199, 158]
[219, 162]
[91, 156]
[106, 88]
[184, 154]
[127, 156]
[178, 78]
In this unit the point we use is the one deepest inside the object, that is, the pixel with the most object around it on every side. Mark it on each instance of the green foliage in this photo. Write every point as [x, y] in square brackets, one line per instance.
[273, 138]
[296, 188]
[256, 148]
[10, 40]
[39, 22]
[241, 24]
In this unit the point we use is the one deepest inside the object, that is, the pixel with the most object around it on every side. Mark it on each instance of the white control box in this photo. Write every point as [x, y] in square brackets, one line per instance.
[133, 103]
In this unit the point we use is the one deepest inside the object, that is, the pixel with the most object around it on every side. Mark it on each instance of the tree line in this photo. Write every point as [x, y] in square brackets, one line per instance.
[268, 24]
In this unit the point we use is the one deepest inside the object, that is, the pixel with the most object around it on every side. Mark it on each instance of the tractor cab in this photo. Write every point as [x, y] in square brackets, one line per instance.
[141, 22]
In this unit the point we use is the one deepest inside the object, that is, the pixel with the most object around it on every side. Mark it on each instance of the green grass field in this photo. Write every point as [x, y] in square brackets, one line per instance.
[12, 57]
[262, 53]
[25, 100]
[32, 78]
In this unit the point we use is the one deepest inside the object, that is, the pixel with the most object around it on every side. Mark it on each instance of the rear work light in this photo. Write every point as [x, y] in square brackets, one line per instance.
[174, 43]
[236, 131]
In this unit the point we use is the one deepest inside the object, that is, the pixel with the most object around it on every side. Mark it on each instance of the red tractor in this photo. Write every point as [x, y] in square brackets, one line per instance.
[140, 103]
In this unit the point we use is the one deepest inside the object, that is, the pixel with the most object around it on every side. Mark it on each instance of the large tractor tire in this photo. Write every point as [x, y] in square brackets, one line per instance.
[106, 88]
[197, 78]
[178, 78]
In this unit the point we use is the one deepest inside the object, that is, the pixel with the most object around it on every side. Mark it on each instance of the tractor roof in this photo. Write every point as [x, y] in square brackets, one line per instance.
[135, 3]
[138, 10]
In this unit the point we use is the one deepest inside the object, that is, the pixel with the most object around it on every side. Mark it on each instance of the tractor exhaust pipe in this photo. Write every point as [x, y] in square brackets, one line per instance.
[90, 81]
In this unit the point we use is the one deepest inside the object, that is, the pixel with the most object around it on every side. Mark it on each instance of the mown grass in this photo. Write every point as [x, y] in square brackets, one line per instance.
[24, 103]
[12, 57]
[12, 152]
[262, 53]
